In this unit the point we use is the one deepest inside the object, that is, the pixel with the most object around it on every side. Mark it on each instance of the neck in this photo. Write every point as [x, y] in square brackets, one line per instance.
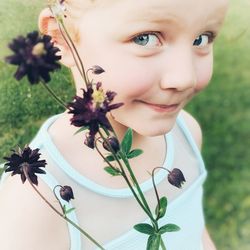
[121, 129]
[78, 155]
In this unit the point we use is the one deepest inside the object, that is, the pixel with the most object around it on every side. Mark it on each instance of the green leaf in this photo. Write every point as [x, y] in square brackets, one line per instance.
[112, 171]
[110, 158]
[163, 207]
[134, 153]
[154, 242]
[127, 141]
[144, 228]
[69, 210]
[80, 130]
[168, 228]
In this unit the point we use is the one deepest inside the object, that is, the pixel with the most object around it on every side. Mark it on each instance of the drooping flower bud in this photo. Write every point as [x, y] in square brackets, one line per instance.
[97, 70]
[114, 143]
[90, 141]
[66, 193]
[176, 177]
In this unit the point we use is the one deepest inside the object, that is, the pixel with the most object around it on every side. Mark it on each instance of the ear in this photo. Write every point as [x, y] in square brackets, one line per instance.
[48, 26]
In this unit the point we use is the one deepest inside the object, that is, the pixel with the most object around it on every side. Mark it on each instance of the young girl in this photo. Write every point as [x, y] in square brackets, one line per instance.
[157, 55]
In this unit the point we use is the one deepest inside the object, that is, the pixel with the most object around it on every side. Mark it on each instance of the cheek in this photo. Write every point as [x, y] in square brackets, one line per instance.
[129, 78]
[124, 74]
[204, 71]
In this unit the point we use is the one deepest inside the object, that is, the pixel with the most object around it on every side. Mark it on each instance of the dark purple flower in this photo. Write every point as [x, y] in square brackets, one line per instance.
[91, 109]
[114, 143]
[35, 56]
[25, 160]
[66, 193]
[176, 177]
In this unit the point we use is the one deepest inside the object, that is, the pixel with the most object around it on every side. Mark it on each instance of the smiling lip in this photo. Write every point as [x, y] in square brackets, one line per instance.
[161, 107]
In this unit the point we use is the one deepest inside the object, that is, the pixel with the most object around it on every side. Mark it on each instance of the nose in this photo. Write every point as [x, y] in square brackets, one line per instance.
[178, 71]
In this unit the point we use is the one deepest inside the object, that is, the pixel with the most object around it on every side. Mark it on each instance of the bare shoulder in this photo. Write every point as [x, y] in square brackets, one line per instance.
[27, 222]
[194, 127]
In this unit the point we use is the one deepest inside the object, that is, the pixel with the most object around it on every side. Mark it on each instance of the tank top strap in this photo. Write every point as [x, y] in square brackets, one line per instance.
[51, 182]
[75, 235]
[44, 138]
[190, 139]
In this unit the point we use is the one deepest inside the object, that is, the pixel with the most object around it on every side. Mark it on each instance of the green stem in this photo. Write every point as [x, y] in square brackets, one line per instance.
[143, 202]
[103, 157]
[71, 50]
[83, 232]
[136, 197]
[107, 132]
[163, 247]
[135, 181]
[52, 93]
[131, 174]
[74, 50]
[54, 191]
[156, 192]
[77, 54]
[125, 177]
[25, 169]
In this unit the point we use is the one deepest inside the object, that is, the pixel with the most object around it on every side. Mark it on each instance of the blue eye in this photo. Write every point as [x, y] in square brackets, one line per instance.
[203, 40]
[147, 39]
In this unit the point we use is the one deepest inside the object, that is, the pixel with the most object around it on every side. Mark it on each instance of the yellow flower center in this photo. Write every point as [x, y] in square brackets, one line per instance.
[38, 50]
[98, 96]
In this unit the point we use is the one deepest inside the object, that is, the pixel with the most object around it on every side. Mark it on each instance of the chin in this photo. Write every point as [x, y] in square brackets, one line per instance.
[154, 130]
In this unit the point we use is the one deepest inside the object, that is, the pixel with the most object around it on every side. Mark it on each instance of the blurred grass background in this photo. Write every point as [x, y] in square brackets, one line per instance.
[223, 111]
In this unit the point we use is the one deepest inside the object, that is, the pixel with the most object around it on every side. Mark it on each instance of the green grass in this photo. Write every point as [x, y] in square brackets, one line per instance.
[224, 114]
[222, 110]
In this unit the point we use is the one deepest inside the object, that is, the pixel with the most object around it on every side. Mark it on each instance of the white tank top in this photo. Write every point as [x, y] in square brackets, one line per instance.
[110, 214]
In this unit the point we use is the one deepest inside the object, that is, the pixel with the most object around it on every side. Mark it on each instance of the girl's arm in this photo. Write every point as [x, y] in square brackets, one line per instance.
[207, 242]
[26, 221]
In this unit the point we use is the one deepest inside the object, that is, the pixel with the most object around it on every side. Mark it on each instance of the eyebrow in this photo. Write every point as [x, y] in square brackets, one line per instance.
[214, 22]
[153, 18]
[158, 16]
[142, 20]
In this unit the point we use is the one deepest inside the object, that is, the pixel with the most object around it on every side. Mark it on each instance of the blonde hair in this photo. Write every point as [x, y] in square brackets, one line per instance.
[75, 8]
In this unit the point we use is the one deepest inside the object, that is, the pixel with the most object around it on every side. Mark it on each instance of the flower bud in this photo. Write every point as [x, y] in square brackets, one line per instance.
[90, 141]
[97, 70]
[176, 177]
[66, 193]
[114, 143]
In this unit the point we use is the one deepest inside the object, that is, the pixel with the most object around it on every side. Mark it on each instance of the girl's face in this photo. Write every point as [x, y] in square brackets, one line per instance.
[157, 54]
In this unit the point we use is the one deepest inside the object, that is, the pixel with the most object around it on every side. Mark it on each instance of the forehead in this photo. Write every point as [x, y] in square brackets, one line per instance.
[181, 11]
